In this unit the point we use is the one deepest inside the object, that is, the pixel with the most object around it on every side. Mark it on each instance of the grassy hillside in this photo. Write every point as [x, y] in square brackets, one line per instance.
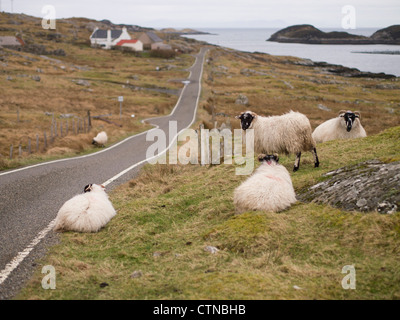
[104, 75]
[169, 214]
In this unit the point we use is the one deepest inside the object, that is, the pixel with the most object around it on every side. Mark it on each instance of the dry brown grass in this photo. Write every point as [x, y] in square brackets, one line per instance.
[111, 73]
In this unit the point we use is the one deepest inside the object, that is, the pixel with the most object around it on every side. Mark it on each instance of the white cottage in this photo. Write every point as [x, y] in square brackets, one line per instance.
[108, 38]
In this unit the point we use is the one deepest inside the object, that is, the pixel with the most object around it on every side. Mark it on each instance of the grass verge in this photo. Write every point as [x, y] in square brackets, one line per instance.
[169, 214]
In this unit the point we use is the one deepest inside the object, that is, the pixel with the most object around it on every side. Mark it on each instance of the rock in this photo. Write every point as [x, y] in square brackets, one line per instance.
[296, 288]
[211, 249]
[81, 82]
[288, 84]
[36, 78]
[368, 186]
[136, 274]
[386, 207]
[361, 203]
[242, 99]
[9, 78]
[324, 108]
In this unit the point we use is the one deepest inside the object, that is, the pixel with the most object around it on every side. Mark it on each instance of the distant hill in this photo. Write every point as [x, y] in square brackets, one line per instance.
[309, 34]
[182, 31]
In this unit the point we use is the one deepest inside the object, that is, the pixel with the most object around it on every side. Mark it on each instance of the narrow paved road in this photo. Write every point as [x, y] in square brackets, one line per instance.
[30, 198]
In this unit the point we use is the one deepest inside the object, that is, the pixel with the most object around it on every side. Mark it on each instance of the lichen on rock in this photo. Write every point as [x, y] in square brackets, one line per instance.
[367, 186]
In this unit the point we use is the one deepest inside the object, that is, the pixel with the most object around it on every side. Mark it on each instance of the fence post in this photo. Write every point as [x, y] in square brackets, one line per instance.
[11, 151]
[29, 146]
[19, 150]
[89, 121]
[45, 140]
[37, 143]
[61, 128]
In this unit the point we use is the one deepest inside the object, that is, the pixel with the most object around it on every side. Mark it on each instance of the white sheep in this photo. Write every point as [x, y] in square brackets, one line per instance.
[345, 126]
[289, 133]
[101, 139]
[87, 212]
[269, 188]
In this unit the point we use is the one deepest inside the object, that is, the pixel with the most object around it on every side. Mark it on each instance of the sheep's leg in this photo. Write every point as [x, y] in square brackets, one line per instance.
[316, 161]
[297, 162]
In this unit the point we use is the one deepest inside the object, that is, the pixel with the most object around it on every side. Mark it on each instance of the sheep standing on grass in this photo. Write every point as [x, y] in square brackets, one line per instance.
[289, 133]
[346, 126]
[87, 212]
[269, 188]
[100, 139]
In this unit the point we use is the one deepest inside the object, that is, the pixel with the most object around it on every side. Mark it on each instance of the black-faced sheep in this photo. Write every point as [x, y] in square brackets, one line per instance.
[269, 188]
[289, 133]
[87, 212]
[101, 139]
[345, 126]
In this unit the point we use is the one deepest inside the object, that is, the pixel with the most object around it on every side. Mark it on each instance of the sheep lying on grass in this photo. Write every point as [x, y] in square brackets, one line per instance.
[101, 139]
[87, 212]
[345, 126]
[288, 133]
[269, 188]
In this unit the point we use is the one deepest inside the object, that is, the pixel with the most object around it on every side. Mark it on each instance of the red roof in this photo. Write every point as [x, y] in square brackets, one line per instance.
[126, 41]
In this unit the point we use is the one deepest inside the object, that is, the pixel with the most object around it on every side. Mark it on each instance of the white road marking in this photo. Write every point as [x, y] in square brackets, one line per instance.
[15, 262]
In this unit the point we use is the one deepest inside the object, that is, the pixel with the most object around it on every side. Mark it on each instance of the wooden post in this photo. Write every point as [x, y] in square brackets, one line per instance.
[55, 128]
[29, 146]
[37, 143]
[18, 114]
[19, 150]
[45, 140]
[61, 129]
[89, 121]
[66, 128]
[84, 125]
[11, 151]
[51, 132]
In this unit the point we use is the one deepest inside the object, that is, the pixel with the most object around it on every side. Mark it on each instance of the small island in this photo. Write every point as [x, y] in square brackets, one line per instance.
[308, 34]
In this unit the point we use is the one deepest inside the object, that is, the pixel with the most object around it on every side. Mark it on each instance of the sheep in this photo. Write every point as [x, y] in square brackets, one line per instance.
[87, 212]
[289, 133]
[269, 188]
[100, 139]
[346, 126]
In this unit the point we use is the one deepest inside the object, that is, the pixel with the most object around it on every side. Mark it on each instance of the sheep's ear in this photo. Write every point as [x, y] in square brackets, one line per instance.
[261, 157]
[342, 112]
[276, 157]
[253, 114]
[239, 116]
[358, 115]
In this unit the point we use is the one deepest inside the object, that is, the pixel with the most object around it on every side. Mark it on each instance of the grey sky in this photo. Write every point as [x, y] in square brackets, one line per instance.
[218, 13]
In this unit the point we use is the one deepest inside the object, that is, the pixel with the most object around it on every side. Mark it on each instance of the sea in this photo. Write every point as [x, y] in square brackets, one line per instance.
[254, 40]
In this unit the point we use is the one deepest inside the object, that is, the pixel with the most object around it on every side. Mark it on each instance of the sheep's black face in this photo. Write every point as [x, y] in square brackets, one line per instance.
[349, 118]
[88, 188]
[245, 120]
[268, 158]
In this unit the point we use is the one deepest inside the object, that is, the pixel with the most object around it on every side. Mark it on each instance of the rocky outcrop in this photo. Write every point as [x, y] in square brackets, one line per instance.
[368, 186]
[310, 35]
